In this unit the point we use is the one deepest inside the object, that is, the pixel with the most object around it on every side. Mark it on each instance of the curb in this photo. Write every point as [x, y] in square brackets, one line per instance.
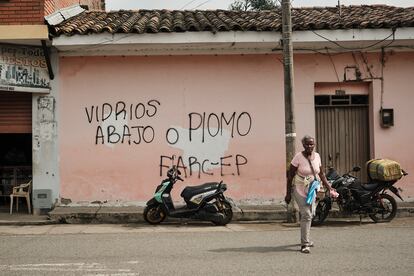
[127, 215]
[131, 216]
[27, 223]
[134, 217]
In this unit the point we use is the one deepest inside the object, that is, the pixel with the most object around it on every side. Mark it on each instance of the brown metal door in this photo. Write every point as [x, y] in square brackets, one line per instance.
[342, 136]
[15, 112]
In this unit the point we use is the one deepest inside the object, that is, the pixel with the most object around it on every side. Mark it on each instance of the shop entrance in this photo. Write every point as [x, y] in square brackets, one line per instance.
[15, 145]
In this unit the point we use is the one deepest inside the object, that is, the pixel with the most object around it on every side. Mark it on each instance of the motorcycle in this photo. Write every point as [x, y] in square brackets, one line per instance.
[354, 197]
[203, 202]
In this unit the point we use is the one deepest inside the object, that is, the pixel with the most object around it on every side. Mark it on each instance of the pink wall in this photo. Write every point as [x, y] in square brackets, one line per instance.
[216, 85]
[182, 85]
[393, 143]
[396, 142]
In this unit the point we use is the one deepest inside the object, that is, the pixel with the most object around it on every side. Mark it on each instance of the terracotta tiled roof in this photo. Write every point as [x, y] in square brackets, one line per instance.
[155, 21]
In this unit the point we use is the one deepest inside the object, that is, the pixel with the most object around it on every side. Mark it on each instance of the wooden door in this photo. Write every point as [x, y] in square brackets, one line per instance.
[342, 133]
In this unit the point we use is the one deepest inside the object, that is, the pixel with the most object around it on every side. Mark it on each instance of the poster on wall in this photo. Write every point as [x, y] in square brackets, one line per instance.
[23, 69]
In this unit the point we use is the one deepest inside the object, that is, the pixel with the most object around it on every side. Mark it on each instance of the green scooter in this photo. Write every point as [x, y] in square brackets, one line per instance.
[204, 202]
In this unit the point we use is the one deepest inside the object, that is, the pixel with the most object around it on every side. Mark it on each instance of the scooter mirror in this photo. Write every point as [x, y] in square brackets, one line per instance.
[356, 169]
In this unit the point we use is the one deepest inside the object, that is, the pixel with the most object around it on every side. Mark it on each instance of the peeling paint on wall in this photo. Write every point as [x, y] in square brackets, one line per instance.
[206, 141]
[36, 147]
[211, 149]
[46, 118]
[46, 109]
[229, 113]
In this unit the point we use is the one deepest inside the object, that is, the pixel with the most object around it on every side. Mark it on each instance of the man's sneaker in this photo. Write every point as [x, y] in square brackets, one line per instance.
[305, 249]
[310, 244]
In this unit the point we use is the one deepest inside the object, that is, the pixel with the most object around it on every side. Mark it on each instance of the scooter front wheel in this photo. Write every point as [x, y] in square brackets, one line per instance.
[321, 212]
[226, 210]
[153, 214]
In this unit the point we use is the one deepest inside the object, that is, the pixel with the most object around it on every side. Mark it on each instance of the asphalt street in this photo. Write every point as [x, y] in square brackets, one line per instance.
[341, 248]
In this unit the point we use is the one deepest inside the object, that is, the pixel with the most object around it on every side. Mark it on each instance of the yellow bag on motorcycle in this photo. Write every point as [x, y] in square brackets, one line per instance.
[384, 170]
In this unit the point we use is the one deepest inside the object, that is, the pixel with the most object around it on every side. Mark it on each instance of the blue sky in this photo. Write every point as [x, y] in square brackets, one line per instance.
[223, 4]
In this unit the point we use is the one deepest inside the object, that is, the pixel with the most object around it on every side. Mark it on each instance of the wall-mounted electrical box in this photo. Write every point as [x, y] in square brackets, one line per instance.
[42, 199]
[352, 73]
[387, 117]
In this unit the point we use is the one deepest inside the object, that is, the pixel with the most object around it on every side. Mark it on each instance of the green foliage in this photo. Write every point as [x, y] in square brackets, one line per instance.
[253, 5]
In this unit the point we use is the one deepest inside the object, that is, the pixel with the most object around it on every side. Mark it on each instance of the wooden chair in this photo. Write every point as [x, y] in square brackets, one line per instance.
[23, 190]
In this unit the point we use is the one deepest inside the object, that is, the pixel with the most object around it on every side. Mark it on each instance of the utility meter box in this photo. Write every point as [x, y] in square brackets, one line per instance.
[42, 199]
[387, 117]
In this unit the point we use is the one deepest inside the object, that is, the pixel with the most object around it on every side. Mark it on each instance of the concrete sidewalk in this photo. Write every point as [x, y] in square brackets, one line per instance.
[24, 219]
[133, 214]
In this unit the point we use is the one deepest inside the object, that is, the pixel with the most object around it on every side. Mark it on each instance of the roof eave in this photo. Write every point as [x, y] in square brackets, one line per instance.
[229, 42]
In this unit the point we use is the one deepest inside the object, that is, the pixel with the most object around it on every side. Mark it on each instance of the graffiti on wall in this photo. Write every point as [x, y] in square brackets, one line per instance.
[204, 142]
[114, 128]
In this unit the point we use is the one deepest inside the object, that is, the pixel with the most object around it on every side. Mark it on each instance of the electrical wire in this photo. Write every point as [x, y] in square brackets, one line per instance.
[333, 64]
[355, 59]
[201, 4]
[102, 43]
[382, 75]
[188, 3]
[366, 64]
[318, 51]
[363, 48]
[349, 50]
[401, 46]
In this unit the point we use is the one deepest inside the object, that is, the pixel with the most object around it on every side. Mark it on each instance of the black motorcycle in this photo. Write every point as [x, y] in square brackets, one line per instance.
[356, 198]
[204, 202]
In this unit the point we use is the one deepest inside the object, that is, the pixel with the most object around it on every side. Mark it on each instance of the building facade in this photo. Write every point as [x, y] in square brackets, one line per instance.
[28, 134]
[205, 93]
[138, 91]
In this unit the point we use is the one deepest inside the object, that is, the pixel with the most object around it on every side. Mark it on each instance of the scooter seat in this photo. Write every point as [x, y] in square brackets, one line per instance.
[191, 191]
[369, 187]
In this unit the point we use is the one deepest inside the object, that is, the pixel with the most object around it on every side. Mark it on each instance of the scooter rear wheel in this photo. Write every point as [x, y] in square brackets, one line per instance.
[154, 214]
[227, 212]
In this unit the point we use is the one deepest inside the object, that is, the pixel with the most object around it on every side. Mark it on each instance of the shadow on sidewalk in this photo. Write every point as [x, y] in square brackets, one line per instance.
[344, 223]
[261, 249]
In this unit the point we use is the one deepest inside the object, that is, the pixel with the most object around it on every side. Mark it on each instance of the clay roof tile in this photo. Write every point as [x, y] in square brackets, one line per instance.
[314, 18]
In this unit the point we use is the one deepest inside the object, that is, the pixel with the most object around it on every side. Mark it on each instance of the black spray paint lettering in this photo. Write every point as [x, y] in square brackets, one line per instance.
[172, 136]
[229, 165]
[133, 134]
[240, 124]
[200, 167]
[119, 110]
[179, 163]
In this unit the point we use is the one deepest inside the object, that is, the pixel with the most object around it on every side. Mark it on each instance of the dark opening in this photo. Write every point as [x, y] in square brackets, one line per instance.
[359, 99]
[322, 100]
[341, 100]
[15, 166]
[15, 150]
